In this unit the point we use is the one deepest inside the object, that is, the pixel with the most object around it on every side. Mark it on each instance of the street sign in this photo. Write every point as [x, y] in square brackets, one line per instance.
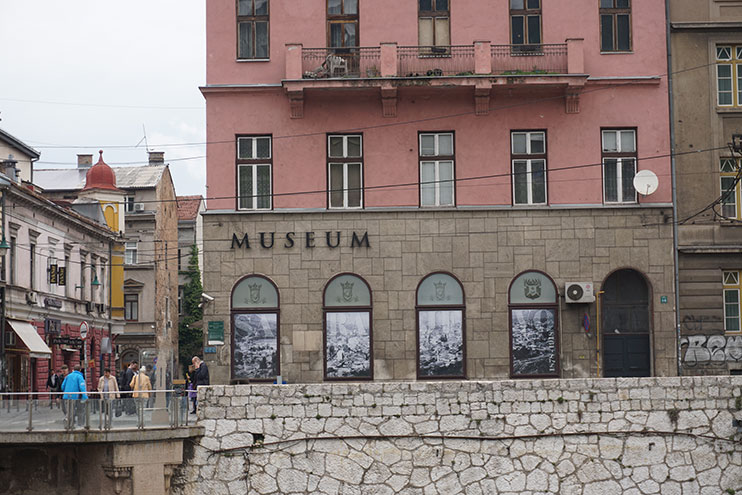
[84, 329]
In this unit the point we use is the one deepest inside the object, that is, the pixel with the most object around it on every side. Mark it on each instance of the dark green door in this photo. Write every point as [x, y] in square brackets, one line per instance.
[625, 325]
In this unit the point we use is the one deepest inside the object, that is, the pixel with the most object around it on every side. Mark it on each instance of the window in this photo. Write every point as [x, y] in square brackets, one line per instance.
[255, 330]
[345, 171]
[129, 204]
[525, 22]
[252, 28]
[13, 257]
[441, 321]
[731, 301]
[528, 155]
[347, 336]
[131, 307]
[729, 75]
[64, 273]
[181, 295]
[93, 279]
[434, 24]
[32, 265]
[619, 165]
[130, 253]
[342, 23]
[254, 159]
[730, 189]
[436, 169]
[615, 25]
[534, 322]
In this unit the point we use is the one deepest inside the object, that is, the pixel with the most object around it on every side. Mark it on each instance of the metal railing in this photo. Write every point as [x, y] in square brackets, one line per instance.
[433, 61]
[529, 59]
[47, 411]
[355, 62]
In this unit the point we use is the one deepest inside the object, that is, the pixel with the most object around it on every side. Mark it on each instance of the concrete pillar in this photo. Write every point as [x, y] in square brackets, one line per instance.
[388, 60]
[482, 57]
[575, 56]
[293, 61]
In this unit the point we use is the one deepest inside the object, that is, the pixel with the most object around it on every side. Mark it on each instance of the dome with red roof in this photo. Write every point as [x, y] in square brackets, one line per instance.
[100, 176]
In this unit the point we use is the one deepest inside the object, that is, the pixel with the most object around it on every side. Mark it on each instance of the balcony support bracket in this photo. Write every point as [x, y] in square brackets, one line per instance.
[389, 101]
[296, 102]
[482, 100]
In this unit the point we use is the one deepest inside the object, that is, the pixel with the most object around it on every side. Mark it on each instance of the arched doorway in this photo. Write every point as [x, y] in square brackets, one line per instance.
[625, 325]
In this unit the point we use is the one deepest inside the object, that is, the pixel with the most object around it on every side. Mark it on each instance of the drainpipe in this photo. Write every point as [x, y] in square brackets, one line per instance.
[4, 185]
[674, 187]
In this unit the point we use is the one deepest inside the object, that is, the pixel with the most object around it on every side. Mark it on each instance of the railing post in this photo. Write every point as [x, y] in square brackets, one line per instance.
[388, 60]
[294, 60]
[575, 56]
[483, 57]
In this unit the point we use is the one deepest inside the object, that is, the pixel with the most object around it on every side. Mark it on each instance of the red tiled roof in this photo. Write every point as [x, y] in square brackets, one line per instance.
[188, 207]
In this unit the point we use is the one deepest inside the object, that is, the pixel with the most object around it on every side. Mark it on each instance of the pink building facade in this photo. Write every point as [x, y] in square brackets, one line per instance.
[467, 166]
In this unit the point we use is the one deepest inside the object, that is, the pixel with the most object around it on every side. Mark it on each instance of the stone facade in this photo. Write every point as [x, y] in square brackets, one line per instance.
[484, 248]
[584, 436]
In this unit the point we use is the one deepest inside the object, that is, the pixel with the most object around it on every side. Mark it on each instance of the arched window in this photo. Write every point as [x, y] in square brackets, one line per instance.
[534, 323]
[347, 336]
[255, 326]
[441, 321]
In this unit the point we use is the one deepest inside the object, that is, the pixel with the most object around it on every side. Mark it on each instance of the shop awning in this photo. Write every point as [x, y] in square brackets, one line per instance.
[30, 337]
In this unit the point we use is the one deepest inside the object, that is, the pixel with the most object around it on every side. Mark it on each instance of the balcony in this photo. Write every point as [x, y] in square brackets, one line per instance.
[481, 66]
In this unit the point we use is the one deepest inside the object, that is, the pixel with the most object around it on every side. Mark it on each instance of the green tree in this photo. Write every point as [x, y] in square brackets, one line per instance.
[190, 339]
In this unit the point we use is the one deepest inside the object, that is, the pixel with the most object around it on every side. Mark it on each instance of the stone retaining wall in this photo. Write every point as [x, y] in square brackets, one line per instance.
[585, 436]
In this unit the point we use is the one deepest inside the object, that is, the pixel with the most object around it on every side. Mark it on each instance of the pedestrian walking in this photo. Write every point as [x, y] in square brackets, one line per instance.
[141, 386]
[200, 377]
[108, 388]
[125, 387]
[74, 390]
[54, 385]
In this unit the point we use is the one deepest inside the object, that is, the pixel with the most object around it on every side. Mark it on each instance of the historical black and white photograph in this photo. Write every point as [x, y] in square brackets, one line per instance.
[441, 343]
[534, 342]
[348, 344]
[255, 346]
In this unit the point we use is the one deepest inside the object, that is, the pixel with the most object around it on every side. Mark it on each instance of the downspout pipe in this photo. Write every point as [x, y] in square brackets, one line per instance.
[4, 187]
[673, 174]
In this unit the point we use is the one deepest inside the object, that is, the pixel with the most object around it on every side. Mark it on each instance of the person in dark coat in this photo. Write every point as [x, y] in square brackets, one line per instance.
[54, 384]
[125, 387]
[200, 377]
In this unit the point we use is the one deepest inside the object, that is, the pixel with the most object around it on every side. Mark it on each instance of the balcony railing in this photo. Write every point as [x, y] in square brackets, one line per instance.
[529, 59]
[432, 61]
[390, 60]
[319, 63]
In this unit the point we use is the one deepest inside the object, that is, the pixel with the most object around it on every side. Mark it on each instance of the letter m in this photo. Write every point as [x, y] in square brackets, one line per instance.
[240, 243]
[356, 242]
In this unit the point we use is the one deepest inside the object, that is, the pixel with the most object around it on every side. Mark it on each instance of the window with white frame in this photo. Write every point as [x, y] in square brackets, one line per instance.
[729, 75]
[345, 171]
[253, 20]
[730, 189]
[437, 169]
[528, 155]
[130, 252]
[129, 204]
[619, 165]
[254, 159]
[731, 282]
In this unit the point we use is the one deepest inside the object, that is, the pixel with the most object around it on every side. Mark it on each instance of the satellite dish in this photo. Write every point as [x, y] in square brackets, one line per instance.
[646, 182]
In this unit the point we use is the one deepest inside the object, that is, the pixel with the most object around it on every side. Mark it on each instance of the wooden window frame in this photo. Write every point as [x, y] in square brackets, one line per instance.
[437, 159]
[726, 287]
[619, 156]
[614, 12]
[434, 14]
[254, 163]
[734, 63]
[326, 309]
[345, 161]
[442, 307]
[253, 19]
[525, 13]
[735, 197]
[529, 157]
[343, 18]
[128, 300]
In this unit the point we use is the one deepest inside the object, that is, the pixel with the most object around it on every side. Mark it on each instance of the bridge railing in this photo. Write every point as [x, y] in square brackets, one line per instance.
[57, 411]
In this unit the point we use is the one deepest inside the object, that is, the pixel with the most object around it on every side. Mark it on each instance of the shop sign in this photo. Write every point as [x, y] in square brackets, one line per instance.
[72, 341]
[52, 326]
[53, 302]
[332, 240]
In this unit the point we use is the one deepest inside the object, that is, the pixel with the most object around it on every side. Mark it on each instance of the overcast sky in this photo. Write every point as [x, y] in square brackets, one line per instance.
[84, 75]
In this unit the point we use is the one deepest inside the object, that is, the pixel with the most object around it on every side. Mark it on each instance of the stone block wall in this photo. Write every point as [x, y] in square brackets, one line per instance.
[484, 248]
[626, 436]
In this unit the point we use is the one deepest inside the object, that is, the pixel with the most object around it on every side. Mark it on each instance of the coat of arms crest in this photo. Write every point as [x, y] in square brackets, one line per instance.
[532, 288]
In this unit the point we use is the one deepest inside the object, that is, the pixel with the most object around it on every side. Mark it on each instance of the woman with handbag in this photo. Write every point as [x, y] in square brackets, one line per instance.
[108, 388]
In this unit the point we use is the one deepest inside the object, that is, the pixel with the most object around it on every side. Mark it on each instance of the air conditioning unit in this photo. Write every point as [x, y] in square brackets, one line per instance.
[32, 298]
[579, 292]
[89, 307]
[138, 206]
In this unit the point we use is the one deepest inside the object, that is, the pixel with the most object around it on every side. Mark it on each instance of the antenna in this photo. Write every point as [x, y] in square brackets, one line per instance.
[146, 146]
[646, 182]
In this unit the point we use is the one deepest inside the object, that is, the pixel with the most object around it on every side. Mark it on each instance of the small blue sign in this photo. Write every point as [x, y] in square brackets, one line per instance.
[663, 299]
[210, 350]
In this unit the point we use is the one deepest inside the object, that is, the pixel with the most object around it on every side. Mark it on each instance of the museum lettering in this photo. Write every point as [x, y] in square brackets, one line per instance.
[269, 240]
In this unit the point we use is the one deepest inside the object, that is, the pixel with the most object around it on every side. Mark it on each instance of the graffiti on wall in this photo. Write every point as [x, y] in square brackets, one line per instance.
[711, 349]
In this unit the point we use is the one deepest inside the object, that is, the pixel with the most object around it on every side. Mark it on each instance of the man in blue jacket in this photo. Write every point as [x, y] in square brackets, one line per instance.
[75, 382]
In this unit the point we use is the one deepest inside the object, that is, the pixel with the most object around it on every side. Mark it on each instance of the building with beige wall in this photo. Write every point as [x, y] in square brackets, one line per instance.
[706, 54]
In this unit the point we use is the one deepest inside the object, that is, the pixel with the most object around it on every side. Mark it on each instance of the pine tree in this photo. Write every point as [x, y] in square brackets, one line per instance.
[190, 340]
